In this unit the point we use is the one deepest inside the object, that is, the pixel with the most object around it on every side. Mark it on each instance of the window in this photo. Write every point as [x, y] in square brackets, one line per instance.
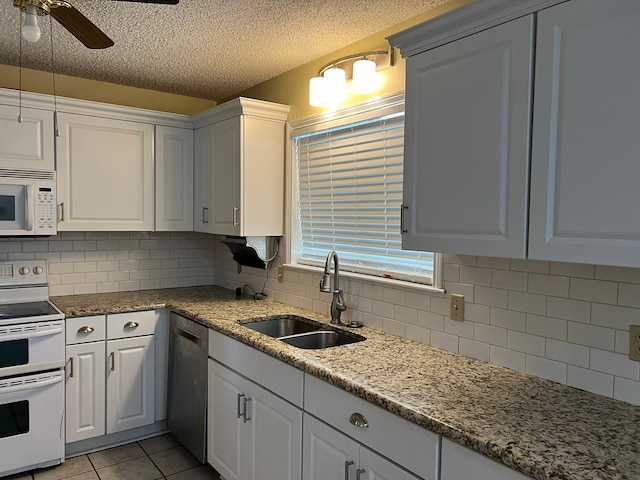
[349, 195]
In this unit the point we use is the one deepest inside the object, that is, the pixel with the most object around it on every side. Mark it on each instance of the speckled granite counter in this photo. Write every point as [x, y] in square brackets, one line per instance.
[544, 429]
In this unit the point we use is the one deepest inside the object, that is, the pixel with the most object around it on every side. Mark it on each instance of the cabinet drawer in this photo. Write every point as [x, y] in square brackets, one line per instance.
[417, 448]
[85, 329]
[274, 375]
[131, 324]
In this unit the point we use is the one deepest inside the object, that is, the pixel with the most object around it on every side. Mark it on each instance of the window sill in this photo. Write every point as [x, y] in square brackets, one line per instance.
[387, 282]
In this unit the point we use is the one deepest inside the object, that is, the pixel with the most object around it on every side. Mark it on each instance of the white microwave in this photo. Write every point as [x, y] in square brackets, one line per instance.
[27, 203]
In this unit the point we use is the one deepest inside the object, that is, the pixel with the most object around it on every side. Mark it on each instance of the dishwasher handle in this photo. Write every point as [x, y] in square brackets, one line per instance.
[187, 334]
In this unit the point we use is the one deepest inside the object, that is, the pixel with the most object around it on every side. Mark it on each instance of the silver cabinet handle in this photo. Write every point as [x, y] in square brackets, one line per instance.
[62, 212]
[86, 329]
[112, 355]
[247, 406]
[238, 402]
[403, 207]
[359, 472]
[205, 216]
[358, 420]
[235, 216]
[347, 466]
[130, 325]
[71, 367]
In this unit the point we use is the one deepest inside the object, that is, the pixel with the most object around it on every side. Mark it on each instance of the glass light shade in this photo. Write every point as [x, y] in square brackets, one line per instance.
[365, 78]
[30, 29]
[336, 84]
[318, 92]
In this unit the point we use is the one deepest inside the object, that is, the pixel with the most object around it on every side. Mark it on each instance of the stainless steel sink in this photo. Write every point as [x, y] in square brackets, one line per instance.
[321, 339]
[283, 326]
[303, 333]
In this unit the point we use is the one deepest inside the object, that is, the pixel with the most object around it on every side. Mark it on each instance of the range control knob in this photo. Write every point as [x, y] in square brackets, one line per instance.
[24, 270]
[38, 270]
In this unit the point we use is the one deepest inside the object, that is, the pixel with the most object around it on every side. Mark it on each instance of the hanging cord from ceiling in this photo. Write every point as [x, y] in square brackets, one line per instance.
[56, 132]
[20, 71]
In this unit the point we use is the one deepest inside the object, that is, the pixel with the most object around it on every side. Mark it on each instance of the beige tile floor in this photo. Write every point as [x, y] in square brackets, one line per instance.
[160, 457]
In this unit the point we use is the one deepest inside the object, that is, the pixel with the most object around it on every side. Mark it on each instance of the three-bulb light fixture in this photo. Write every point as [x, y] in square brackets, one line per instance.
[329, 88]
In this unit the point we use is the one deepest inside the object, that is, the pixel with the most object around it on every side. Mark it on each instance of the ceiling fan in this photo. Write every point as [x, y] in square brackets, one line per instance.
[70, 18]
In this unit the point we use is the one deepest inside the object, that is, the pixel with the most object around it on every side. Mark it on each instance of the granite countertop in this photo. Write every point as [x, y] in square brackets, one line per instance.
[541, 428]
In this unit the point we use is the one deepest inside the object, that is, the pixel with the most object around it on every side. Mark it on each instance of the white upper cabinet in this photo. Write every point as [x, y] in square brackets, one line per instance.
[239, 164]
[467, 143]
[105, 174]
[469, 105]
[174, 179]
[585, 177]
[27, 145]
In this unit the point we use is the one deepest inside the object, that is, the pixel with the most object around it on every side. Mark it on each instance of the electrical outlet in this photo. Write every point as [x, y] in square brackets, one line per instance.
[634, 342]
[457, 307]
[280, 274]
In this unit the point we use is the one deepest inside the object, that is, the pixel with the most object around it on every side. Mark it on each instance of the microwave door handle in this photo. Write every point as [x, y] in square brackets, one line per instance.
[29, 209]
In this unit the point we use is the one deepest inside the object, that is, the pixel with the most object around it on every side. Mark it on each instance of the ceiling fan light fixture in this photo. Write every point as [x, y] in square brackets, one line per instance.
[30, 29]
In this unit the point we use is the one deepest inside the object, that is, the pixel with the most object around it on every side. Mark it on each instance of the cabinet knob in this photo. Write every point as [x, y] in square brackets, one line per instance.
[86, 329]
[130, 325]
[358, 420]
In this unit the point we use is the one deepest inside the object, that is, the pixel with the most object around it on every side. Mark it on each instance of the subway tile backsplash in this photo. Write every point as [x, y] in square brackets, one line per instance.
[565, 322]
[97, 262]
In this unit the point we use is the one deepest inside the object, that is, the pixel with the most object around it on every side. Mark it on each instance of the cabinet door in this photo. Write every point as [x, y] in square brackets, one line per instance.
[585, 170]
[203, 156]
[174, 179]
[224, 432]
[105, 174]
[226, 208]
[467, 130]
[461, 463]
[27, 145]
[130, 383]
[327, 453]
[85, 391]
[274, 436]
[374, 467]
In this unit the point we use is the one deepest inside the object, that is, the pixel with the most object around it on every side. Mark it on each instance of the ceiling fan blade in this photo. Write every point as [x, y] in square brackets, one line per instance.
[81, 27]
[163, 2]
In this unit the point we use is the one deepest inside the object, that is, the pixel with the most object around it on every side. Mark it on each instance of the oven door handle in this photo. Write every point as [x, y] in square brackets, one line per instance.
[31, 386]
[37, 333]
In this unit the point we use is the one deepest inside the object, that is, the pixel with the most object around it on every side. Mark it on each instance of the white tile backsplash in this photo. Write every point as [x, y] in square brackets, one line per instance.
[559, 321]
[517, 311]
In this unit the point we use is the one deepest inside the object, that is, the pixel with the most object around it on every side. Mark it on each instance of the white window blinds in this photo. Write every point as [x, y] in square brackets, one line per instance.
[349, 198]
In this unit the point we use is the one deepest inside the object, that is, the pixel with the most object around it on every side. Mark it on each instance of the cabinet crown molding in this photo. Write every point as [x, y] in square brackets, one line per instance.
[95, 109]
[242, 106]
[471, 18]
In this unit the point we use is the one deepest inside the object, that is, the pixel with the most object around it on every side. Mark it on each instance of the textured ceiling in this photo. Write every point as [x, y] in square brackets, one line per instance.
[209, 49]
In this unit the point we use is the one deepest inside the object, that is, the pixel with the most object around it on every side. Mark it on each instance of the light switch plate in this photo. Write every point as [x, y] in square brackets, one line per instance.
[457, 307]
[634, 342]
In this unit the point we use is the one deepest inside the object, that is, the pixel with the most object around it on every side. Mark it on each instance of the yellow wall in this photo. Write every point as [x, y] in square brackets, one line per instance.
[292, 87]
[81, 88]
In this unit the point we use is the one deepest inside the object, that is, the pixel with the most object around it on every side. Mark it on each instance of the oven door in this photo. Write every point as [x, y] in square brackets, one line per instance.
[16, 207]
[31, 347]
[31, 421]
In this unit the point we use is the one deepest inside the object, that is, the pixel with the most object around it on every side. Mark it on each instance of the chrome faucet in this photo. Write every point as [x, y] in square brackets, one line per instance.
[337, 304]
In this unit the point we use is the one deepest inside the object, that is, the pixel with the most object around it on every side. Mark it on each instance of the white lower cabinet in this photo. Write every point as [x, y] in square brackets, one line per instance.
[461, 463]
[254, 431]
[111, 374]
[253, 434]
[331, 454]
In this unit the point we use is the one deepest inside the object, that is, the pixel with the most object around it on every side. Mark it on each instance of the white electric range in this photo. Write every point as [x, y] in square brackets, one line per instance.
[32, 357]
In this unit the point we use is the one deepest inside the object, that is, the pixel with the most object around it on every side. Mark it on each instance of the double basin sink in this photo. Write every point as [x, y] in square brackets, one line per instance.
[303, 333]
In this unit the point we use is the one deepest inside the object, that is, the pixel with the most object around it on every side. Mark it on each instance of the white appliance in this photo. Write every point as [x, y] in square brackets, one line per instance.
[32, 355]
[27, 202]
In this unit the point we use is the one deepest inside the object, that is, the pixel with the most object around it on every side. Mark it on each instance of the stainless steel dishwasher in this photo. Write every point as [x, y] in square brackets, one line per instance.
[187, 395]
